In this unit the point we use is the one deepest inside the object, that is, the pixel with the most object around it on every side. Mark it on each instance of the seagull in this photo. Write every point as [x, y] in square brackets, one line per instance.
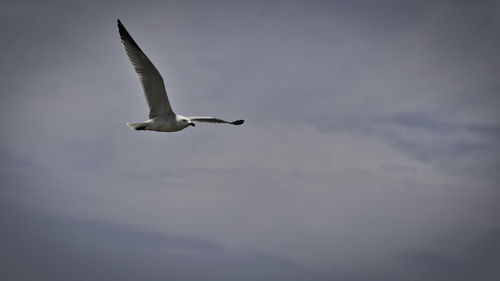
[161, 116]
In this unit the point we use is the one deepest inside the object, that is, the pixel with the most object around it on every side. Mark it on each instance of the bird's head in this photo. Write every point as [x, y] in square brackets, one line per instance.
[187, 121]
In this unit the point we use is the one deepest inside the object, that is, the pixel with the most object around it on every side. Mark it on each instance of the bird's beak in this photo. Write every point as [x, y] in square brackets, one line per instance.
[191, 124]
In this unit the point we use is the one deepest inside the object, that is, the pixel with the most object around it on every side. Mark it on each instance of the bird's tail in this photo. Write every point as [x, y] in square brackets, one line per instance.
[137, 126]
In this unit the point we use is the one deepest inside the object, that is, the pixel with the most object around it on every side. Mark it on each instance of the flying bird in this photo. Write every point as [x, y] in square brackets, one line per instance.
[161, 116]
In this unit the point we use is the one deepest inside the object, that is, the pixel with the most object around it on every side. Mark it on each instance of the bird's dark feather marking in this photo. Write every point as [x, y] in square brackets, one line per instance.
[125, 36]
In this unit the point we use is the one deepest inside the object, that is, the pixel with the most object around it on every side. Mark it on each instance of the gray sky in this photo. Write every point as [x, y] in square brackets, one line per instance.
[370, 149]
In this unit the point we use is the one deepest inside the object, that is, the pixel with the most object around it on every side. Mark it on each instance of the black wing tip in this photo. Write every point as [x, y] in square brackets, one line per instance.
[120, 24]
[125, 36]
[238, 122]
[122, 30]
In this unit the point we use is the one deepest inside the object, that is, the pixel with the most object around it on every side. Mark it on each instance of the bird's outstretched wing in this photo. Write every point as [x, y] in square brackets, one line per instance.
[151, 80]
[208, 119]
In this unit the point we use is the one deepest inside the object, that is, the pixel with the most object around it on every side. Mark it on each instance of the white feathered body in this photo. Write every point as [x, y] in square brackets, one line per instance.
[161, 124]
